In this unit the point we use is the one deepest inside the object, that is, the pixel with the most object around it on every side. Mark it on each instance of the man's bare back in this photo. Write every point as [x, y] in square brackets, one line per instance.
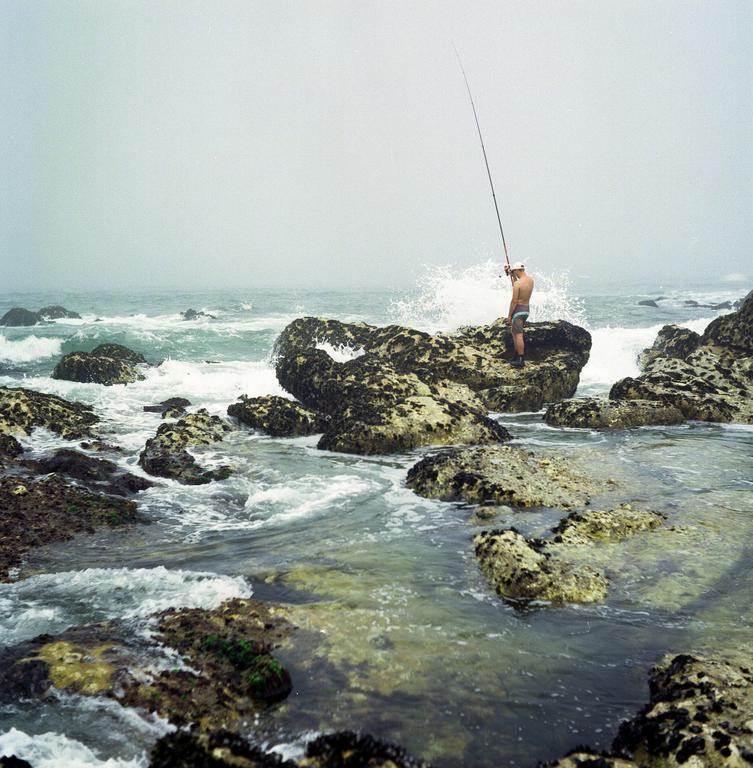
[522, 288]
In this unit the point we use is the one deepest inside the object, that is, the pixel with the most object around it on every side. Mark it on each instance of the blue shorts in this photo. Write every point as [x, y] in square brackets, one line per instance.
[519, 317]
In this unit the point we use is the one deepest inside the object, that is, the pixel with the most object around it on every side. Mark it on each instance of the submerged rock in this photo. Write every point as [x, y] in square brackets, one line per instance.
[218, 749]
[172, 408]
[192, 314]
[605, 525]
[37, 512]
[709, 379]
[21, 410]
[647, 303]
[277, 416]
[165, 454]
[56, 312]
[523, 569]
[228, 671]
[18, 316]
[106, 364]
[600, 413]
[501, 475]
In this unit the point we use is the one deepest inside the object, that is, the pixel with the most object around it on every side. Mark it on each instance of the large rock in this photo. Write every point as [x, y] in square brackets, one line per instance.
[711, 380]
[56, 312]
[277, 416]
[21, 410]
[476, 357]
[373, 408]
[600, 413]
[19, 316]
[165, 454]
[500, 475]
[524, 569]
[106, 364]
[228, 672]
[37, 512]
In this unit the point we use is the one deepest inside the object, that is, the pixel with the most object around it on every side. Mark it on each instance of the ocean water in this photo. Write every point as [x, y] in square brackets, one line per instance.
[399, 634]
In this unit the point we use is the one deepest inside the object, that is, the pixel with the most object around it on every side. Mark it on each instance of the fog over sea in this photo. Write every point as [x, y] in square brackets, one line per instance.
[430, 657]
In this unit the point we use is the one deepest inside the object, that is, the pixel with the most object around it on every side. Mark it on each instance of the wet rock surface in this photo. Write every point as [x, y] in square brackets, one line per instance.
[21, 410]
[172, 408]
[671, 341]
[712, 382]
[476, 357]
[218, 749]
[500, 475]
[277, 416]
[600, 413]
[522, 570]
[107, 364]
[229, 670]
[56, 312]
[97, 474]
[40, 511]
[374, 409]
[165, 454]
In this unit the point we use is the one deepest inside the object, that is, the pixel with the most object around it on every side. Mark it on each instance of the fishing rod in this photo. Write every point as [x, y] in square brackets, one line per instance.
[486, 160]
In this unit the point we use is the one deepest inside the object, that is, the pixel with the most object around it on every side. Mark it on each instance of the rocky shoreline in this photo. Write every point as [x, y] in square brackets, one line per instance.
[391, 390]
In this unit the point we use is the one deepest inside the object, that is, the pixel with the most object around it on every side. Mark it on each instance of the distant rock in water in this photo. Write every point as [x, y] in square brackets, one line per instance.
[106, 364]
[19, 316]
[165, 454]
[56, 312]
[708, 378]
[192, 314]
[647, 303]
[277, 416]
[405, 388]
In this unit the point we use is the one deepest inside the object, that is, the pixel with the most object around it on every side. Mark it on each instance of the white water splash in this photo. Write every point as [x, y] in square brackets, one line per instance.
[447, 298]
[54, 750]
[340, 353]
[28, 349]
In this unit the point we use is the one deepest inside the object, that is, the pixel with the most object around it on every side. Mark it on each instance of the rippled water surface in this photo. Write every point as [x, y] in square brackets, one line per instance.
[399, 633]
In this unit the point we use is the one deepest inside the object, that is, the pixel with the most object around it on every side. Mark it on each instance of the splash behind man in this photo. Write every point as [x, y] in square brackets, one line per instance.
[522, 288]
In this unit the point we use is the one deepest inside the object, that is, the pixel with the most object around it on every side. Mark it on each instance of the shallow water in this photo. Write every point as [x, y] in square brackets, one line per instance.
[399, 633]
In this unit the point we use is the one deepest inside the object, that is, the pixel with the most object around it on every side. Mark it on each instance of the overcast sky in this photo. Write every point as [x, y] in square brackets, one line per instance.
[217, 143]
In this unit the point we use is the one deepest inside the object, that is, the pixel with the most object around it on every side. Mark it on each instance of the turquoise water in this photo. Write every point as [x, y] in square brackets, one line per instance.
[399, 634]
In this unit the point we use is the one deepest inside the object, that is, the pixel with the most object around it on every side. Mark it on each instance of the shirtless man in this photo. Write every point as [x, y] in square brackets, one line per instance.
[522, 288]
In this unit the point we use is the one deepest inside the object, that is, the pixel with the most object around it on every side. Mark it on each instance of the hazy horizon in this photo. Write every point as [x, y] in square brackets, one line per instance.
[201, 145]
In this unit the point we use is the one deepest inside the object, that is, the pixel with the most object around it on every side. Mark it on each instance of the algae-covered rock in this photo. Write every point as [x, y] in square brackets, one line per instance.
[713, 382]
[56, 312]
[230, 670]
[476, 357]
[347, 749]
[600, 413]
[585, 757]
[9, 446]
[615, 524]
[372, 408]
[18, 316]
[501, 475]
[165, 454]
[700, 713]
[106, 364]
[671, 341]
[37, 512]
[523, 569]
[277, 416]
[21, 410]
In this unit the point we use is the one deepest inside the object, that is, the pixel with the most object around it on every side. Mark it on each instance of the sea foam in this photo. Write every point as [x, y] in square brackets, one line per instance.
[28, 349]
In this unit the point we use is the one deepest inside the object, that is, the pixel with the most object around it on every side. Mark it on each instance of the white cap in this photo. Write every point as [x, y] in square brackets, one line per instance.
[517, 265]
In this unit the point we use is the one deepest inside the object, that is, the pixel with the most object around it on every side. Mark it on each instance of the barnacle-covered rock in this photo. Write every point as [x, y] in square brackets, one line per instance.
[600, 413]
[21, 410]
[106, 364]
[277, 416]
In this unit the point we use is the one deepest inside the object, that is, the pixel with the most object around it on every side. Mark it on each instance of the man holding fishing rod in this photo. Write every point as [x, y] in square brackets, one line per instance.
[522, 288]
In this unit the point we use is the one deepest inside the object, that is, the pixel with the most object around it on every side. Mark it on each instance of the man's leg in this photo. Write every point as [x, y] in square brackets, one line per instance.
[519, 342]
